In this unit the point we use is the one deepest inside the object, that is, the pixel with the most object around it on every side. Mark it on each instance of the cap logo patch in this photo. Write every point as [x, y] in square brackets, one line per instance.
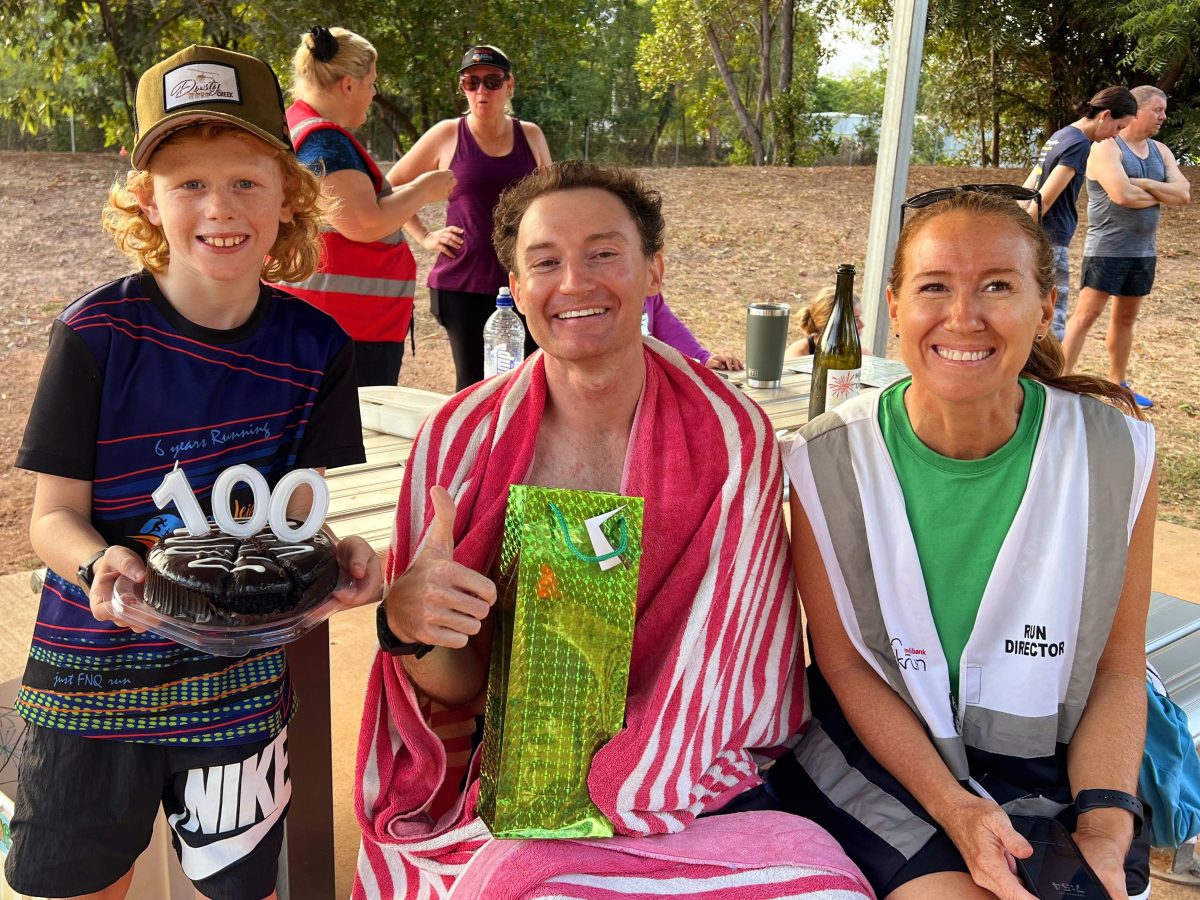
[477, 56]
[200, 83]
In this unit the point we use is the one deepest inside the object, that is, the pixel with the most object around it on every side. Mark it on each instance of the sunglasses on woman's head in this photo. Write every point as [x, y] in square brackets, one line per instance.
[937, 195]
[491, 82]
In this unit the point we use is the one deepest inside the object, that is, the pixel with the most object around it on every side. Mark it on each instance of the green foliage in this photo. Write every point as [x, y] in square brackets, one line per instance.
[1026, 62]
[860, 92]
[1164, 31]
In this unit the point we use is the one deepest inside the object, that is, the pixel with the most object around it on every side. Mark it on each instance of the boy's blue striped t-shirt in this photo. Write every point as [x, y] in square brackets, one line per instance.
[130, 388]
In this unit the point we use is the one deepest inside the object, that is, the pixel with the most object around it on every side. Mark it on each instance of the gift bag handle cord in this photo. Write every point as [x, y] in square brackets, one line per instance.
[562, 524]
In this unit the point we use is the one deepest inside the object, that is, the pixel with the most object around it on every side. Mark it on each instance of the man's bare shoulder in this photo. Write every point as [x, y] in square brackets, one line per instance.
[1164, 150]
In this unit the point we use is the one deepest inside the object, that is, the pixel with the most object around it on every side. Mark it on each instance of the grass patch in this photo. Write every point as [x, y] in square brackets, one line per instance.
[1179, 486]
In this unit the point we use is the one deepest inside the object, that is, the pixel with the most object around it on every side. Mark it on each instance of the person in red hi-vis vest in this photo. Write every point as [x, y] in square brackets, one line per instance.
[367, 272]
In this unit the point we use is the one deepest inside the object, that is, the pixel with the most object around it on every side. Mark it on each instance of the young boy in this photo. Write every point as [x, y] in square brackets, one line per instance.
[192, 361]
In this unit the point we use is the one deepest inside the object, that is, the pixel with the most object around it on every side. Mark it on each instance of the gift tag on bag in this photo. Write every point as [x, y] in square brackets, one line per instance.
[562, 639]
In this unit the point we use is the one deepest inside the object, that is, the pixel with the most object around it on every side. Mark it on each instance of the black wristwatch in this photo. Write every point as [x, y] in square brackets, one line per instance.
[87, 569]
[391, 644]
[1101, 798]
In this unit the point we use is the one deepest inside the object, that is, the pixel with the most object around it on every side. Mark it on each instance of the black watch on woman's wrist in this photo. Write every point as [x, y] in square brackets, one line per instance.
[1102, 798]
[391, 644]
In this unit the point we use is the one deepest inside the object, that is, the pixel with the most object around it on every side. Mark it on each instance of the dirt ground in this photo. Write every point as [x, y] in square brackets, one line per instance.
[734, 235]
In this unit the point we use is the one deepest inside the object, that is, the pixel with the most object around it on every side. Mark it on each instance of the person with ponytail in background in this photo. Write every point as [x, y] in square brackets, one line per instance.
[1059, 174]
[368, 273]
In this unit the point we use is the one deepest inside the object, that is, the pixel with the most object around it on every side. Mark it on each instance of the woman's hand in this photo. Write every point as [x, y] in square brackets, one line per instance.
[355, 557]
[1105, 845]
[115, 562]
[446, 241]
[725, 363]
[984, 836]
[436, 185]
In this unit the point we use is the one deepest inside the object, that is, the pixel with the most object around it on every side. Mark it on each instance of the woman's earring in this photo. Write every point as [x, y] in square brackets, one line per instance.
[1039, 337]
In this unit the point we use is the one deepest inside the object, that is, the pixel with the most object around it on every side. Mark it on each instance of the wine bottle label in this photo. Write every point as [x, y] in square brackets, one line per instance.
[841, 385]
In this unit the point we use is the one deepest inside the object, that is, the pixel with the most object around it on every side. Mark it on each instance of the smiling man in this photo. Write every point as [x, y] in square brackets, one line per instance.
[713, 670]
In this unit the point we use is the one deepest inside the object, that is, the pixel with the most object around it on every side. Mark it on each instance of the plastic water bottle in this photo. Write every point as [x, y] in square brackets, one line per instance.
[503, 337]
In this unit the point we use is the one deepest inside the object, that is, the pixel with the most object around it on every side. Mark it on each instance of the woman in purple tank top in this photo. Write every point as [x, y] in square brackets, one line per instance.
[487, 150]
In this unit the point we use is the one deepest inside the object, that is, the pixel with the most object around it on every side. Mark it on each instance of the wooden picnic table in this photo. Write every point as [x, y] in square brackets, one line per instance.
[363, 502]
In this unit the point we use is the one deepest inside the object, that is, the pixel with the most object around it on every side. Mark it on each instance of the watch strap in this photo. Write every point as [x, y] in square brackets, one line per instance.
[87, 569]
[392, 645]
[1102, 798]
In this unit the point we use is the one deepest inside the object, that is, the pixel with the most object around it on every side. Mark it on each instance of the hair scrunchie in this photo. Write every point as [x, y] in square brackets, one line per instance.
[324, 44]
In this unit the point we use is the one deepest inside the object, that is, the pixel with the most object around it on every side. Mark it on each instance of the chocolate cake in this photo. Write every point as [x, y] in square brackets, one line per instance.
[218, 579]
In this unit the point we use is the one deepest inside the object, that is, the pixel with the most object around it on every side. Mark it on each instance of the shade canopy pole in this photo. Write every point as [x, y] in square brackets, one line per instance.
[891, 170]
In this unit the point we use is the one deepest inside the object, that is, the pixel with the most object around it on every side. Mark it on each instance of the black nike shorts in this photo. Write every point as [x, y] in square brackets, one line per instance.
[85, 809]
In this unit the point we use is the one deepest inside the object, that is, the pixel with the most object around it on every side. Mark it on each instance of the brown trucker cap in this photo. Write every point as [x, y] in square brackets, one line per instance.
[207, 84]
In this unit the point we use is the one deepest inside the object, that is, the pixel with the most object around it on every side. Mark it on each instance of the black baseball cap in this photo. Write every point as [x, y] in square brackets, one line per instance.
[484, 55]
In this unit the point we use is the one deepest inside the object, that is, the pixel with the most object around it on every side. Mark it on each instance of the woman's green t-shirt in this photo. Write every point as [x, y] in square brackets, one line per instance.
[959, 510]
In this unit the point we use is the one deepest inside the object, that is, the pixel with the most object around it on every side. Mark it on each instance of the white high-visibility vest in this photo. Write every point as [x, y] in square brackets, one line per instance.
[1045, 615]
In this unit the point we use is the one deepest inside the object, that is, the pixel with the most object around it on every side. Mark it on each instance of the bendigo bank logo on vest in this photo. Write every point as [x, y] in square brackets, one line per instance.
[1034, 643]
[909, 657]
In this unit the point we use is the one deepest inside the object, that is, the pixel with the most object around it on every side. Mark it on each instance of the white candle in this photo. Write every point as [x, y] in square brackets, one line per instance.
[223, 488]
[176, 488]
[283, 494]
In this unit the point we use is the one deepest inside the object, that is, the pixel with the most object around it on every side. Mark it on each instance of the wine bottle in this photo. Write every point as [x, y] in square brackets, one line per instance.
[837, 364]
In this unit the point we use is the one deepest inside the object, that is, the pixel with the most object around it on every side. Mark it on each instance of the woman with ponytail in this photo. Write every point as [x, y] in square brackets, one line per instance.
[1059, 175]
[368, 272]
[972, 547]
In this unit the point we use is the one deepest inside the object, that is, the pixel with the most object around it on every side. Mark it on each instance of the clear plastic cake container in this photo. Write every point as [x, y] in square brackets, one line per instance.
[220, 640]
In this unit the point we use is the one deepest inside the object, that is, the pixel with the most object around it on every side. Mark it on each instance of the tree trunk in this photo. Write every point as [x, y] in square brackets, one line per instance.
[664, 116]
[397, 117]
[129, 77]
[1173, 72]
[995, 110]
[787, 44]
[751, 132]
[764, 60]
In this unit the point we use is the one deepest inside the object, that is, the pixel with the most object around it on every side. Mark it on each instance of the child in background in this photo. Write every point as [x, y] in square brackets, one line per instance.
[659, 322]
[192, 361]
[812, 319]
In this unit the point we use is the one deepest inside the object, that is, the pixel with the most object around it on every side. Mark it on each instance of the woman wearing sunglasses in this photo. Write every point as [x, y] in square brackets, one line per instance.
[367, 272]
[487, 150]
[972, 548]
[1059, 173]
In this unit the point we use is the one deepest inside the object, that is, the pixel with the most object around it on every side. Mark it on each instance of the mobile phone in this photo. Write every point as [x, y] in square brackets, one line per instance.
[1056, 870]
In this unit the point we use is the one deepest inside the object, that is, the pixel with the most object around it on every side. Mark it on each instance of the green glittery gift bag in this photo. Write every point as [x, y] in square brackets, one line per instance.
[563, 633]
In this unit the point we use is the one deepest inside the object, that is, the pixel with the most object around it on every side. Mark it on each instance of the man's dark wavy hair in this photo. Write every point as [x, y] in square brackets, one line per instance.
[644, 203]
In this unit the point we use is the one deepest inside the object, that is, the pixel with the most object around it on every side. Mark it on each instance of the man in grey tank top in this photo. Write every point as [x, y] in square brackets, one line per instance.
[1128, 179]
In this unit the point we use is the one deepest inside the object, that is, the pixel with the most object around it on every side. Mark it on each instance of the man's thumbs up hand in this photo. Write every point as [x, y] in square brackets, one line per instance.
[438, 601]
[440, 540]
